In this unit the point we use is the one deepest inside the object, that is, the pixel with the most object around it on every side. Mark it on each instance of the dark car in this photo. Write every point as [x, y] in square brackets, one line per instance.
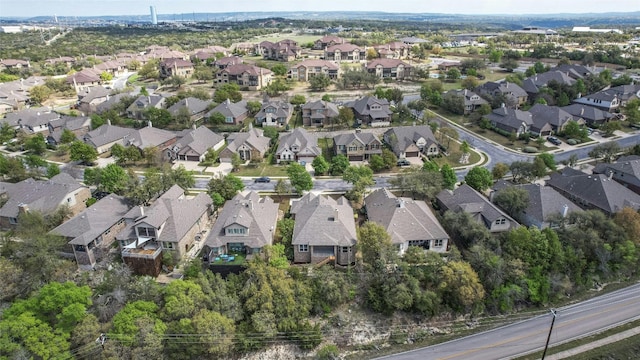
[403, 162]
[263, 179]
[554, 140]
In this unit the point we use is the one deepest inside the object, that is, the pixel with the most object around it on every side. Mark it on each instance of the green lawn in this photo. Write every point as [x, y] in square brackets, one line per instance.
[326, 144]
[239, 259]
[262, 169]
[454, 157]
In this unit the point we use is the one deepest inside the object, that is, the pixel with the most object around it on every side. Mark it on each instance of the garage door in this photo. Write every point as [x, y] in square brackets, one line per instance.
[412, 154]
[306, 159]
[193, 158]
[356, 157]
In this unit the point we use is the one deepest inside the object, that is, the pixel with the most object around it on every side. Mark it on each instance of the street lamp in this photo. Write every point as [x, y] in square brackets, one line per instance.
[553, 312]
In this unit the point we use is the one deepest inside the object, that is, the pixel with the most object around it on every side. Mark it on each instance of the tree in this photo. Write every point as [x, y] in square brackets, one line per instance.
[40, 93]
[495, 56]
[229, 91]
[499, 170]
[464, 147]
[320, 165]
[549, 160]
[282, 188]
[299, 178]
[632, 111]
[509, 65]
[319, 82]
[113, 179]
[470, 82]
[345, 116]
[203, 73]
[453, 74]
[629, 220]
[105, 76]
[36, 144]
[454, 103]
[479, 178]
[374, 244]
[339, 164]
[236, 161]
[253, 107]
[52, 170]
[279, 69]
[610, 127]
[276, 87]
[449, 178]
[513, 200]
[176, 81]
[79, 151]
[67, 136]
[390, 159]
[150, 70]
[376, 163]
[423, 184]
[217, 118]
[160, 118]
[297, 100]
[225, 186]
[461, 287]
[607, 151]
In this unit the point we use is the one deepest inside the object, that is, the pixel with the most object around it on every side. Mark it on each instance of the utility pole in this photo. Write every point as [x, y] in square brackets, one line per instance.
[553, 312]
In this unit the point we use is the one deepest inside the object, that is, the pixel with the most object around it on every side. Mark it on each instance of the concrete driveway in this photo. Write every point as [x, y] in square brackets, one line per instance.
[221, 169]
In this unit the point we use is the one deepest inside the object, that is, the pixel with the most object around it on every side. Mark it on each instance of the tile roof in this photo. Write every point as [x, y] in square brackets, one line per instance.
[404, 219]
[257, 214]
[317, 63]
[386, 63]
[345, 47]
[93, 221]
[322, 221]
[238, 69]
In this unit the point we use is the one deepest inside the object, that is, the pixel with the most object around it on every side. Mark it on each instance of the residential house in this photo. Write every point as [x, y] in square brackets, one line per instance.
[307, 69]
[626, 171]
[91, 233]
[172, 224]
[13, 64]
[113, 67]
[412, 40]
[138, 108]
[151, 137]
[371, 111]
[357, 146]
[409, 222]
[626, 93]
[227, 61]
[45, 196]
[385, 68]
[113, 102]
[472, 101]
[84, 79]
[511, 120]
[196, 108]
[611, 99]
[546, 205]
[193, 144]
[176, 67]
[533, 84]
[411, 141]
[326, 41]
[234, 113]
[79, 125]
[575, 71]
[248, 77]
[589, 114]
[68, 61]
[298, 145]
[250, 145]
[13, 97]
[107, 135]
[92, 97]
[285, 50]
[550, 119]
[246, 224]
[467, 199]
[319, 113]
[31, 120]
[595, 191]
[324, 229]
[274, 113]
[513, 94]
[345, 52]
[393, 50]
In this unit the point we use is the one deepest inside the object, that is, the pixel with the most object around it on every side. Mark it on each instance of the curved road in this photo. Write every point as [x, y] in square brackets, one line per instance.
[518, 339]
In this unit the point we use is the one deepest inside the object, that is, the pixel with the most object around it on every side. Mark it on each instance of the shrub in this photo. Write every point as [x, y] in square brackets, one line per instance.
[572, 141]
[530, 149]
[328, 352]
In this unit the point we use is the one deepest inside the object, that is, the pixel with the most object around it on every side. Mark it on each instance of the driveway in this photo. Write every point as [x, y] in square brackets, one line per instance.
[221, 169]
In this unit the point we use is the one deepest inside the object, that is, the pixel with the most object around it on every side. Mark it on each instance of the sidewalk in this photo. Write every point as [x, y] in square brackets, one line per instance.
[596, 344]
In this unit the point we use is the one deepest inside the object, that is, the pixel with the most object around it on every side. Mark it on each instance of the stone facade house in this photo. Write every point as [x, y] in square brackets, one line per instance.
[513, 94]
[107, 135]
[550, 119]
[193, 144]
[234, 113]
[386, 68]
[79, 125]
[591, 115]
[172, 224]
[411, 141]
[511, 120]
[324, 229]
[248, 77]
[246, 224]
[285, 50]
[138, 108]
[176, 67]
[393, 50]
[250, 145]
[274, 113]
[357, 146]
[345, 52]
[227, 61]
[307, 69]
[472, 101]
[195, 107]
[94, 96]
[409, 222]
[319, 113]
[298, 145]
[371, 111]
[326, 41]
[92, 232]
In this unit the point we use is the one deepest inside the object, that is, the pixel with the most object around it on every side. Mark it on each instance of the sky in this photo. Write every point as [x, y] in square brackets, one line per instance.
[29, 8]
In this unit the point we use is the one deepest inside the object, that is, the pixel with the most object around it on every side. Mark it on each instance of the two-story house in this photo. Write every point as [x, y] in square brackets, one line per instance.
[393, 50]
[307, 69]
[31, 120]
[92, 232]
[248, 77]
[176, 67]
[298, 145]
[357, 146]
[550, 119]
[411, 141]
[386, 68]
[196, 108]
[409, 222]
[227, 61]
[319, 113]
[371, 111]
[234, 113]
[107, 135]
[324, 229]
[88, 100]
[326, 41]
[138, 108]
[246, 224]
[172, 224]
[511, 120]
[78, 125]
[472, 101]
[285, 50]
[274, 113]
[248, 145]
[513, 94]
[345, 52]
[589, 114]
[626, 171]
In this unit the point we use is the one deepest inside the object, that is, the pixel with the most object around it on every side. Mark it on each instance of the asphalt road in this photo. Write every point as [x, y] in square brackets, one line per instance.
[318, 184]
[518, 339]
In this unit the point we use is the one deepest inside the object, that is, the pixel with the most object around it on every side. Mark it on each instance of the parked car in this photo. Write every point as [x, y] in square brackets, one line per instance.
[263, 179]
[403, 162]
[554, 140]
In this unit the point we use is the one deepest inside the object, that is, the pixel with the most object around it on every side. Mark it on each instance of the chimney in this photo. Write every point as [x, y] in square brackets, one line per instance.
[581, 111]
[141, 210]
[23, 208]
[108, 121]
[610, 174]
[335, 215]
[149, 124]
[193, 126]
[565, 210]
[401, 203]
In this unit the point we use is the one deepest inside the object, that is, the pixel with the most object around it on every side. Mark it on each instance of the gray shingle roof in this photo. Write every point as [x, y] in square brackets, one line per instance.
[511, 118]
[199, 140]
[149, 137]
[542, 114]
[588, 113]
[106, 134]
[194, 105]
[254, 138]
[363, 137]
[404, 219]
[95, 93]
[406, 136]
[230, 109]
[307, 143]
[625, 170]
[257, 214]
[93, 221]
[322, 221]
[363, 106]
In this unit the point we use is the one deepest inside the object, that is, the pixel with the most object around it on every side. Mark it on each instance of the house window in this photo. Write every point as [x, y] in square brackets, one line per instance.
[13, 221]
[303, 247]
[79, 248]
[228, 120]
[503, 221]
[346, 249]
[438, 243]
[146, 232]
[167, 245]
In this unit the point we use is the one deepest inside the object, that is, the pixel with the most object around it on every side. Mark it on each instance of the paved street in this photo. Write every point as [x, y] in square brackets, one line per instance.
[572, 322]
